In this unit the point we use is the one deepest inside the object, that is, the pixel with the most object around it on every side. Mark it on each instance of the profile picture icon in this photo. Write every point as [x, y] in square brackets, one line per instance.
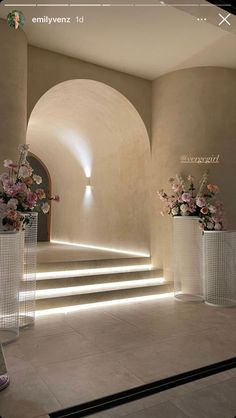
[16, 19]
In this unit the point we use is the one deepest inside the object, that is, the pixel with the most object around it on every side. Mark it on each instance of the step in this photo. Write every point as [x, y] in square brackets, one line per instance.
[88, 268]
[60, 303]
[97, 279]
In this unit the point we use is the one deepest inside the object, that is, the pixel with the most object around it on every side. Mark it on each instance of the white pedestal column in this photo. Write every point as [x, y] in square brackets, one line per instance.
[11, 271]
[187, 258]
[219, 267]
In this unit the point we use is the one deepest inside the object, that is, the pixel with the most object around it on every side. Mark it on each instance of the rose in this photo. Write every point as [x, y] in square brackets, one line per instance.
[31, 199]
[200, 201]
[186, 197]
[11, 214]
[212, 209]
[40, 193]
[37, 179]
[213, 188]
[204, 210]
[12, 204]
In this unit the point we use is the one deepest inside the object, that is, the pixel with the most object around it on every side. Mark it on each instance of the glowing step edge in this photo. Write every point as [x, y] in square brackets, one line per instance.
[95, 247]
[92, 271]
[95, 288]
[76, 308]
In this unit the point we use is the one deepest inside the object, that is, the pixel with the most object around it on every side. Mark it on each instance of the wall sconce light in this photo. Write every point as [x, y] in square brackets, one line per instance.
[88, 182]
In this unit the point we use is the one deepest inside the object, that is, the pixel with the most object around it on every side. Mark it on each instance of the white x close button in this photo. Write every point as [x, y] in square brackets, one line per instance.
[224, 19]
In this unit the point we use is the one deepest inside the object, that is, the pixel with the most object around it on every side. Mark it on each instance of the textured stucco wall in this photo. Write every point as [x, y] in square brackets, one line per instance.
[84, 128]
[47, 69]
[13, 90]
[193, 114]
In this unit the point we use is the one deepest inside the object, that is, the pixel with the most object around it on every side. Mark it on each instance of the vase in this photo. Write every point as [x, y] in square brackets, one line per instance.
[28, 282]
[219, 267]
[11, 272]
[187, 237]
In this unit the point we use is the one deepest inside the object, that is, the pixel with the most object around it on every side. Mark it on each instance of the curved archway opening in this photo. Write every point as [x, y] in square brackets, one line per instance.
[97, 150]
[44, 221]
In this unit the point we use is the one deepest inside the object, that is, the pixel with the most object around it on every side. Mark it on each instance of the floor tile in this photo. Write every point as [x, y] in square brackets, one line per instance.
[77, 381]
[27, 396]
[215, 401]
[56, 348]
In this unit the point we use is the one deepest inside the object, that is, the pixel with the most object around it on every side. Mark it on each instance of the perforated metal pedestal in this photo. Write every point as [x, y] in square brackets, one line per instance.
[219, 267]
[188, 285]
[11, 271]
[28, 282]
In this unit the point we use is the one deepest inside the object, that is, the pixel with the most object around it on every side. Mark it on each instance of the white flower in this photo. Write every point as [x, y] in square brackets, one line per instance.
[45, 207]
[210, 225]
[12, 204]
[8, 163]
[184, 208]
[218, 227]
[212, 209]
[175, 211]
[24, 172]
[37, 179]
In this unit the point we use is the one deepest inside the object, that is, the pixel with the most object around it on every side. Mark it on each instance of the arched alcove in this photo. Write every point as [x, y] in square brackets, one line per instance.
[44, 221]
[97, 150]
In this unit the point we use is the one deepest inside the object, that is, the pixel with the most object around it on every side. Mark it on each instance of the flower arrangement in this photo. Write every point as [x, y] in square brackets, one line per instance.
[19, 192]
[186, 201]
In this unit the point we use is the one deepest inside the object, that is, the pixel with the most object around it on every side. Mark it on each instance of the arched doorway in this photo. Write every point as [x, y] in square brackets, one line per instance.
[97, 149]
[44, 221]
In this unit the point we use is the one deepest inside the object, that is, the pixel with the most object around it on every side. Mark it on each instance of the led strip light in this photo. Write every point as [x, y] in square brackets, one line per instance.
[95, 247]
[95, 288]
[92, 271]
[76, 308]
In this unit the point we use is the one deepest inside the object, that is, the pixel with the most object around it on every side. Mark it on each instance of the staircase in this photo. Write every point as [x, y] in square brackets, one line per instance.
[67, 284]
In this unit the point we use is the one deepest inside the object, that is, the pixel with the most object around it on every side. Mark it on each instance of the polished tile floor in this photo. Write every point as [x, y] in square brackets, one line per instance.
[72, 358]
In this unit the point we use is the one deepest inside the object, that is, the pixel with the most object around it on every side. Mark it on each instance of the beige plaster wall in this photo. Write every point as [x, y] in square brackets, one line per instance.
[193, 114]
[84, 128]
[13, 90]
[47, 69]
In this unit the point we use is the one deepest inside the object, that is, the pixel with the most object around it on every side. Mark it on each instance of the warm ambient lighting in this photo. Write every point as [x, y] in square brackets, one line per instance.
[95, 247]
[94, 288]
[76, 308]
[91, 272]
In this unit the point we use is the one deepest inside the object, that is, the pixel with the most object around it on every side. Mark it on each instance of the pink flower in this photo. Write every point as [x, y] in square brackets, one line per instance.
[31, 199]
[200, 201]
[56, 198]
[12, 214]
[213, 188]
[176, 187]
[9, 164]
[204, 210]
[217, 218]
[40, 193]
[186, 197]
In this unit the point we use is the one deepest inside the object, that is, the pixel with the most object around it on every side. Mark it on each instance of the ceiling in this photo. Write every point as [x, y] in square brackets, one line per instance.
[145, 41]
